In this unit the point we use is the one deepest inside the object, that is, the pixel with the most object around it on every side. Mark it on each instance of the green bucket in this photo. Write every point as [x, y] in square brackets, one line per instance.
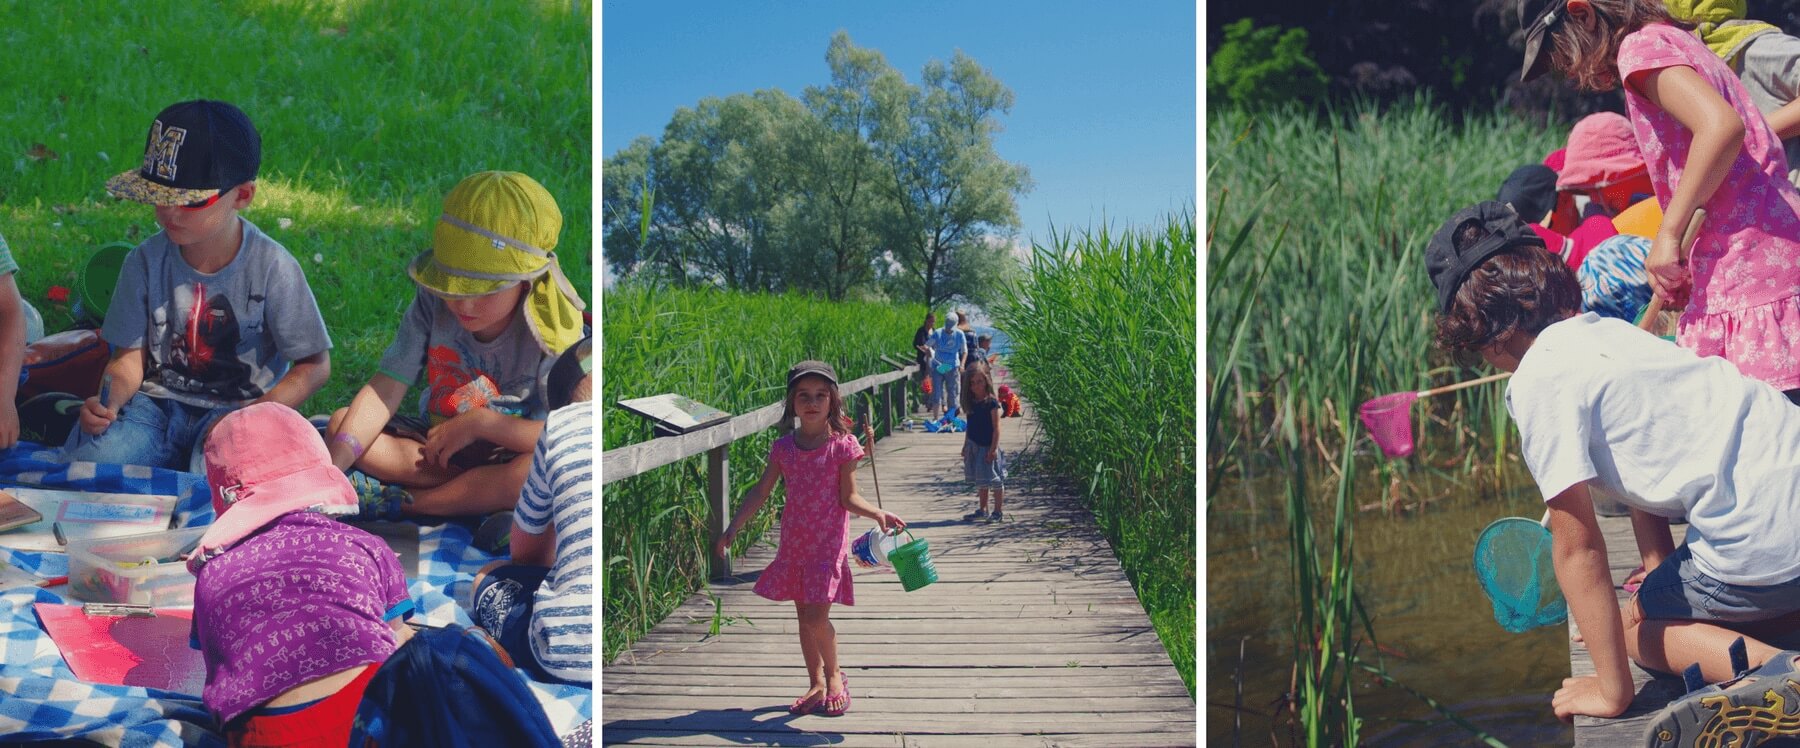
[97, 279]
[912, 561]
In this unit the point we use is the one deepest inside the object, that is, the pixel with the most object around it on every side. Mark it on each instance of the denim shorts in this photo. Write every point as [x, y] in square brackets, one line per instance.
[1679, 590]
[503, 606]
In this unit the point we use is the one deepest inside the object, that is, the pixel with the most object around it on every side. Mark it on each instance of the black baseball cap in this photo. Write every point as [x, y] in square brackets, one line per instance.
[194, 149]
[1538, 18]
[811, 367]
[1448, 267]
[1530, 190]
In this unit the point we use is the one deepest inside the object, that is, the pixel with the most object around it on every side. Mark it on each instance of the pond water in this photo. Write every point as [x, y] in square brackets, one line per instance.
[1413, 572]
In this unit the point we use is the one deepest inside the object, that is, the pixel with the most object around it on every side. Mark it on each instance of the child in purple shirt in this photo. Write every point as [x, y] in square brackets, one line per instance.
[293, 610]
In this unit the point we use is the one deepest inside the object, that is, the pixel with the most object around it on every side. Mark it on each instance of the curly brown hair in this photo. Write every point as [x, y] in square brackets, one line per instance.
[1590, 57]
[1522, 289]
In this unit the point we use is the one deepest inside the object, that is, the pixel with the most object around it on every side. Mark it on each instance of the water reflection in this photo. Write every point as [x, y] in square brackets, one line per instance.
[1436, 631]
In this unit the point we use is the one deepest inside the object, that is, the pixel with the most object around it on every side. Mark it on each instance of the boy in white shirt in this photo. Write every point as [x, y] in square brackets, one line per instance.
[1599, 401]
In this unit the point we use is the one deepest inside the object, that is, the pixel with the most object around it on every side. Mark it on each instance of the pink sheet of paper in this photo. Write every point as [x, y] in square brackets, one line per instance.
[150, 652]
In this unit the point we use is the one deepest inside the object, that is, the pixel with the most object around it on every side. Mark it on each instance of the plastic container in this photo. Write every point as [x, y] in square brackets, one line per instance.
[113, 570]
[912, 562]
[98, 277]
[870, 550]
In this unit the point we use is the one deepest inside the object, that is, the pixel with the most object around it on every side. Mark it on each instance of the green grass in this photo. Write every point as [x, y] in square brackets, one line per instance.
[369, 113]
[730, 351]
[1333, 215]
[1102, 329]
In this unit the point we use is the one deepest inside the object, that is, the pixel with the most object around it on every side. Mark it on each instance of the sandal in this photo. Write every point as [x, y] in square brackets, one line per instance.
[807, 705]
[1753, 706]
[838, 703]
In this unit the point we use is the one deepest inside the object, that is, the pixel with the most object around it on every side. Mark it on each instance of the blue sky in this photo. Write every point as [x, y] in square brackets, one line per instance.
[1104, 113]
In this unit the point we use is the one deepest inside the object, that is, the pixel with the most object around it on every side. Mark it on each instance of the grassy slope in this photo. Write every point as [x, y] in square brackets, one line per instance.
[369, 113]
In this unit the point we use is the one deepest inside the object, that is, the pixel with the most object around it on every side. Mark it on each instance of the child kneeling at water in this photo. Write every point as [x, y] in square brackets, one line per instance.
[1600, 402]
[293, 610]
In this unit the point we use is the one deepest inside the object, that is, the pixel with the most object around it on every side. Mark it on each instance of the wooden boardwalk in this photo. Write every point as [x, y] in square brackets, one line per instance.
[1032, 635]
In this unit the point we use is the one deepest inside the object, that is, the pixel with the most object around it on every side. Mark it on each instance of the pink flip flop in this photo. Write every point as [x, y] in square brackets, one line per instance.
[833, 707]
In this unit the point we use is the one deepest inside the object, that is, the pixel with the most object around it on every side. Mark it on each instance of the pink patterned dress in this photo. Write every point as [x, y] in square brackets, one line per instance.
[812, 565]
[1745, 305]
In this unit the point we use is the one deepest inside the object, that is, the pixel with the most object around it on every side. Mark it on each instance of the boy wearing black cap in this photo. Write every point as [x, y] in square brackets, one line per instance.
[209, 314]
[1599, 401]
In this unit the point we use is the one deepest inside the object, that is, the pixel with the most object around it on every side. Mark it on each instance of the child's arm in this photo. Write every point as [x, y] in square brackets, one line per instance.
[533, 550]
[1653, 540]
[1718, 137]
[994, 449]
[12, 357]
[753, 502]
[302, 380]
[126, 370]
[511, 432]
[852, 501]
[1579, 552]
[367, 415]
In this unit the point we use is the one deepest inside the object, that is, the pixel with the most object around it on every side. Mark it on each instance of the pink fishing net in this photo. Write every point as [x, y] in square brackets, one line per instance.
[1389, 419]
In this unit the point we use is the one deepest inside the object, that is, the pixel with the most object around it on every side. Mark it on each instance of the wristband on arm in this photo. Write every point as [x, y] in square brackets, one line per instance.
[356, 445]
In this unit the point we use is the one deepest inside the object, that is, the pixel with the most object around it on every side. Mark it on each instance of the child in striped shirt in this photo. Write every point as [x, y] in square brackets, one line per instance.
[539, 604]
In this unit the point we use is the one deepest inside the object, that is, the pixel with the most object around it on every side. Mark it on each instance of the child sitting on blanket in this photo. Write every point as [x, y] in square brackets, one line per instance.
[491, 313]
[539, 605]
[210, 314]
[293, 610]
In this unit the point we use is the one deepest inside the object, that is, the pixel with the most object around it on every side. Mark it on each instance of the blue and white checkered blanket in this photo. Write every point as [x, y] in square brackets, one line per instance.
[40, 698]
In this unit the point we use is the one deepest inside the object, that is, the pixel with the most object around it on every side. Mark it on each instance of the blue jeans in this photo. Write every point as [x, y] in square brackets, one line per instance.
[152, 431]
[946, 388]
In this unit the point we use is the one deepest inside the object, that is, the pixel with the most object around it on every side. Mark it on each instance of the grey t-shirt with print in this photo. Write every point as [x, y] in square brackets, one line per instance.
[7, 264]
[215, 339]
[460, 372]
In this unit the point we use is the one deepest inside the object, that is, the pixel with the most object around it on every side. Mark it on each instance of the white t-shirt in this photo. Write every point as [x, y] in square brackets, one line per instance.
[1670, 433]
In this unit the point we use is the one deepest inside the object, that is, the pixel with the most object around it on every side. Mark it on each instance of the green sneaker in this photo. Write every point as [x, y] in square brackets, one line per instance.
[378, 500]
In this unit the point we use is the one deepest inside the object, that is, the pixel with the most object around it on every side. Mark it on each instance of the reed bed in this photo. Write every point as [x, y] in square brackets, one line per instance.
[730, 351]
[1317, 226]
[1102, 328]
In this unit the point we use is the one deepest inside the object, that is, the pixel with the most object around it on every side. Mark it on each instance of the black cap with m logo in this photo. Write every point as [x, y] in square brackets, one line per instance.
[194, 149]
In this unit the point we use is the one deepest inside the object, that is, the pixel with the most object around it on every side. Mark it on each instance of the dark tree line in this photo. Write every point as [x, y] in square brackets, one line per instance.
[1464, 52]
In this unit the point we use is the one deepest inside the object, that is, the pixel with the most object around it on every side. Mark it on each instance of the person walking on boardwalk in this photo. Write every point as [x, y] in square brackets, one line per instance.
[948, 348]
[922, 351]
[817, 462]
[983, 464]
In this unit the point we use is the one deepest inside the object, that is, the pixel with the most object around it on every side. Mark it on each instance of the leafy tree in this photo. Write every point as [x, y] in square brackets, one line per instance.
[951, 191]
[840, 205]
[628, 234]
[1255, 67]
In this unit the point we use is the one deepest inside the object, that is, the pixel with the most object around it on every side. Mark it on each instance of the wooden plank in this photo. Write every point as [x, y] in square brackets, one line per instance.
[1651, 692]
[1148, 738]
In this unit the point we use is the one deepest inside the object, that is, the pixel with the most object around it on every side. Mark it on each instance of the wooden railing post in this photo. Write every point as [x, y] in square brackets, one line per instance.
[718, 487]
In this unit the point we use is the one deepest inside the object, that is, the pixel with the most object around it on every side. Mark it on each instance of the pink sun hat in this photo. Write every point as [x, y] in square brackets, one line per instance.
[262, 462]
[1602, 151]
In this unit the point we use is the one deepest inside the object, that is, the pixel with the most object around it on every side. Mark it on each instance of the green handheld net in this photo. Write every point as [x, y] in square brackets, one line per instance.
[1513, 564]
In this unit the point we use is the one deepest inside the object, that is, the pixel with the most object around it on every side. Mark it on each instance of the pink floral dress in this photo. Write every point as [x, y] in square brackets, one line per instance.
[812, 564]
[1745, 305]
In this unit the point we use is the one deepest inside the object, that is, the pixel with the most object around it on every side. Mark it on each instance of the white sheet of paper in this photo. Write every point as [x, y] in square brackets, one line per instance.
[143, 512]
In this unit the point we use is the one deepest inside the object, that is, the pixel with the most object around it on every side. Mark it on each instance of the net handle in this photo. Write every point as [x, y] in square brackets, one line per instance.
[1649, 322]
[1464, 385]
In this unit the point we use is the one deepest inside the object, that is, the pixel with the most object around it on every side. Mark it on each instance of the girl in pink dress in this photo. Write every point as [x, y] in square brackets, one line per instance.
[812, 568]
[1706, 146]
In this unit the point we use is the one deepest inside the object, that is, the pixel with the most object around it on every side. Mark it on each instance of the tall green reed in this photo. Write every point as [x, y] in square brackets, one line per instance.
[727, 350]
[1323, 221]
[1102, 329]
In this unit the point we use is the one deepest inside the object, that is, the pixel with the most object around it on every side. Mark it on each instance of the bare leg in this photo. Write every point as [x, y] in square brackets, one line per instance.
[984, 495]
[999, 498]
[482, 490]
[817, 618]
[809, 614]
[391, 459]
[1671, 646]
